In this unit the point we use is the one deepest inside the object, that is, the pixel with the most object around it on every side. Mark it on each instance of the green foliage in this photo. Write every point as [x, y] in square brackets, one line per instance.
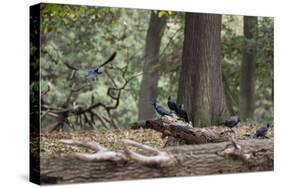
[85, 36]
[232, 39]
[86, 41]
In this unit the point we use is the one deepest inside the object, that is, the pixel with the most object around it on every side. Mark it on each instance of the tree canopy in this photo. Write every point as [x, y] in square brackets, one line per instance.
[84, 37]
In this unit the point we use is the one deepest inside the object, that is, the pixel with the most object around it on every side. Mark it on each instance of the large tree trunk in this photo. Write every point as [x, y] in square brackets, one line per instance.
[204, 159]
[247, 78]
[228, 96]
[149, 85]
[200, 84]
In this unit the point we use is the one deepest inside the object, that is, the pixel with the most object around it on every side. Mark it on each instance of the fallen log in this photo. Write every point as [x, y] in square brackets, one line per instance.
[187, 160]
[182, 131]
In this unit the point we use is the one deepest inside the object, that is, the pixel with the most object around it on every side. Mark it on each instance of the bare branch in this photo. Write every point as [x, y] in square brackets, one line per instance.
[102, 120]
[48, 113]
[45, 92]
[235, 151]
[101, 156]
[91, 145]
[102, 153]
[85, 86]
[139, 145]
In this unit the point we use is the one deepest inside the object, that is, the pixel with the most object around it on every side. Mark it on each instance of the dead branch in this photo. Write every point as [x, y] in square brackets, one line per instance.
[45, 92]
[102, 120]
[48, 113]
[103, 154]
[113, 92]
[236, 151]
[85, 86]
[161, 158]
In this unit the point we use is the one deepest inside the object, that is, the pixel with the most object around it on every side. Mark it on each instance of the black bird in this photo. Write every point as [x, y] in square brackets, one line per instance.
[182, 113]
[262, 131]
[94, 72]
[160, 109]
[231, 122]
[172, 105]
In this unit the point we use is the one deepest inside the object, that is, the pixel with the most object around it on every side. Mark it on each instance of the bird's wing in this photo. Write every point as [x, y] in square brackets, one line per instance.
[263, 128]
[176, 108]
[187, 118]
[161, 108]
[107, 61]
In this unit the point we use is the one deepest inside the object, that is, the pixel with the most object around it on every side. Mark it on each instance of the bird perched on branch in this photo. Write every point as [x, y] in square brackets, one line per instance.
[182, 113]
[231, 122]
[93, 73]
[172, 105]
[262, 131]
[160, 109]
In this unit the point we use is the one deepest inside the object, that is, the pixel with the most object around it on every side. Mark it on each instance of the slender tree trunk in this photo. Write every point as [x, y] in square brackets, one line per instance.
[247, 78]
[200, 84]
[149, 85]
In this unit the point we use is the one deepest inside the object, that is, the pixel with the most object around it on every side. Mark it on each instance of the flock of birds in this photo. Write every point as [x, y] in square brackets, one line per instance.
[180, 111]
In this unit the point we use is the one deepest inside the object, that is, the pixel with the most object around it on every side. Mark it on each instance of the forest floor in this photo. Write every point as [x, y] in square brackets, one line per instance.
[50, 145]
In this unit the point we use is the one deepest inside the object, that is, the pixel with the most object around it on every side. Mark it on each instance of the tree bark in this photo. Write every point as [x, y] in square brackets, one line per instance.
[149, 84]
[247, 77]
[228, 96]
[204, 159]
[182, 131]
[200, 84]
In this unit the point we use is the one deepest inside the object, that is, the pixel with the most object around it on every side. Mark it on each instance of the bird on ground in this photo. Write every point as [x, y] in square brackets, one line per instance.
[160, 109]
[262, 131]
[172, 105]
[182, 113]
[93, 73]
[231, 122]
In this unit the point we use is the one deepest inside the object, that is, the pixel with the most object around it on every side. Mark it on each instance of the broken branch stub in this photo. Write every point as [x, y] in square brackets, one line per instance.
[235, 151]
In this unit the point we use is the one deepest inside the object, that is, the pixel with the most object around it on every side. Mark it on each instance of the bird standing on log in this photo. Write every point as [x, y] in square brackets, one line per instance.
[262, 131]
[160, 109]
[231, 122]
[182, 113]
[172, 105]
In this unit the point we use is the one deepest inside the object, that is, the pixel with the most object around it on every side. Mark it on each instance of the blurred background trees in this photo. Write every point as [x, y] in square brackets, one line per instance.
[150, 77]
[156, 57]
